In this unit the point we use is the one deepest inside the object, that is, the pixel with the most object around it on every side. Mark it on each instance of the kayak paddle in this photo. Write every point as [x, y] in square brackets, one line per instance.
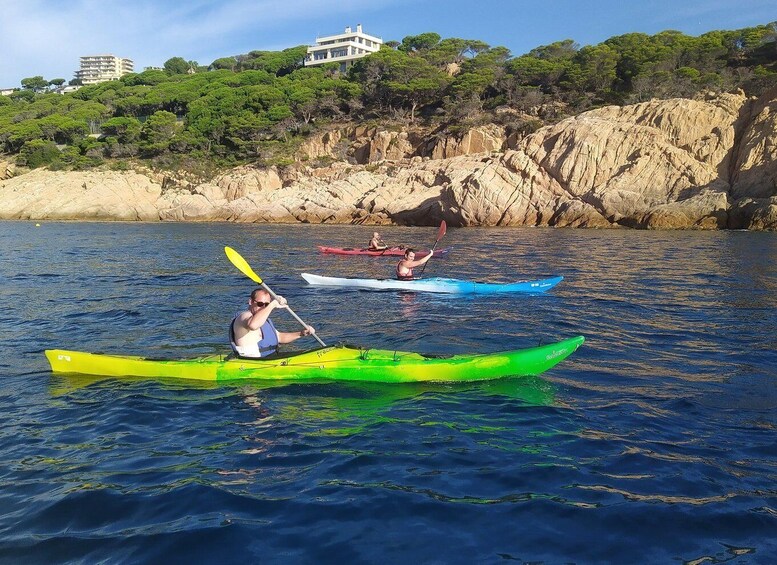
[440, 233]
[243, 266]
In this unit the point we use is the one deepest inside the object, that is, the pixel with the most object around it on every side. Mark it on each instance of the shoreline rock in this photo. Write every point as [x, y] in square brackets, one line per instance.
[706, 163]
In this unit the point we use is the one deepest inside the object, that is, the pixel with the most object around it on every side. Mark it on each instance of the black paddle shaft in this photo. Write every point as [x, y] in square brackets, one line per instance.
[440, 234]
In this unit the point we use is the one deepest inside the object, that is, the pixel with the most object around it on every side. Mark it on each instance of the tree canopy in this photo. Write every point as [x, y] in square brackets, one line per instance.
[231, 110]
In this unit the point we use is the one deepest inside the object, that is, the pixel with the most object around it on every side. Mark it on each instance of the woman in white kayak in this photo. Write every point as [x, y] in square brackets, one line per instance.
[405, 266]
[252, 333]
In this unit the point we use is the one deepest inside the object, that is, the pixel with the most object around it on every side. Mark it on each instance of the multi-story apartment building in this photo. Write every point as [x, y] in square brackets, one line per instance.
[343, 48]
[100, 68]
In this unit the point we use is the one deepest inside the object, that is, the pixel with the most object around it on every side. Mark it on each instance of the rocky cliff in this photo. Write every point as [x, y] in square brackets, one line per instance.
[707, 163]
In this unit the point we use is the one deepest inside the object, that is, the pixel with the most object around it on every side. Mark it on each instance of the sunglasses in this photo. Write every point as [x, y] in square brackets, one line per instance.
[261, 304]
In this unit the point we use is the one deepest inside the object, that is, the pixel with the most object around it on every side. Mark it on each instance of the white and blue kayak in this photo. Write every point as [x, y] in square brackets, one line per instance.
[449, 286]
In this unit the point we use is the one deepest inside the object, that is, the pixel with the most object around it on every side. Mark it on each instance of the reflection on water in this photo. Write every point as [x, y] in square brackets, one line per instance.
[662, 422]
[342, 399]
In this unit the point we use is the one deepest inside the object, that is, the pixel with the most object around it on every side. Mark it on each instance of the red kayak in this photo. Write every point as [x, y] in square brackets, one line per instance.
[390, 251]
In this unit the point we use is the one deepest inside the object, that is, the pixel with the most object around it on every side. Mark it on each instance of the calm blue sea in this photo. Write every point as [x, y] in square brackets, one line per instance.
[656, 442]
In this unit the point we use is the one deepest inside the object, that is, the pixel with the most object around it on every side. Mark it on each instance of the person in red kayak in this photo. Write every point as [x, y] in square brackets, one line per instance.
[405, 266]
[376, 243]
[252, 333]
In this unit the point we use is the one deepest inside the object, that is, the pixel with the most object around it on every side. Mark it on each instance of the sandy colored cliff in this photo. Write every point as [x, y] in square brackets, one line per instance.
[707, 163]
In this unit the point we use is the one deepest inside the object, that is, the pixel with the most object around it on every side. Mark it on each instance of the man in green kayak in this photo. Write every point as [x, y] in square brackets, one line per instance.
[252, 333]
[408, 263]
[376, 243]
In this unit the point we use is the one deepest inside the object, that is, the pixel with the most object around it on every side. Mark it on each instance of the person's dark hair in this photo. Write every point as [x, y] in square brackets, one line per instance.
[408, 251]
[255, 292]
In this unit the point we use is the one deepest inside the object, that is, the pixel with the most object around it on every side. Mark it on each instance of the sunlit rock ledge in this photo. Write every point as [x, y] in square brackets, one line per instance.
[708, 163]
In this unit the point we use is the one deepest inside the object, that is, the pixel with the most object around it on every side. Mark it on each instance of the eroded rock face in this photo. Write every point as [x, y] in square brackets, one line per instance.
[7, 169]
[754, 214]
[484, 139]
[672, 164]
[627, 162]
[42, 194]
[754, 174]
[244, 181]
[707, 210]
[372, 145]
[323, 145]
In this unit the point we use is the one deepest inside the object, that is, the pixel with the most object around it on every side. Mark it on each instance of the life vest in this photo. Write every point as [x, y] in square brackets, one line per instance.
[407, 277]
[264, 347]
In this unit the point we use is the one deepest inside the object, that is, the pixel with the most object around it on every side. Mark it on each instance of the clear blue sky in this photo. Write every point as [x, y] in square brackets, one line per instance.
[46, 37]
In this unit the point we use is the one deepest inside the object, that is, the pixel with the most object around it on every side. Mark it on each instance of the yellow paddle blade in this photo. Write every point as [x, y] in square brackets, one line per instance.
[242, 265]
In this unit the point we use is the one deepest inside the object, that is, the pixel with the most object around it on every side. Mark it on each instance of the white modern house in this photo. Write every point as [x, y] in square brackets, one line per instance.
[343, 48]
[68, 89]
[101, 68]
[7, 91]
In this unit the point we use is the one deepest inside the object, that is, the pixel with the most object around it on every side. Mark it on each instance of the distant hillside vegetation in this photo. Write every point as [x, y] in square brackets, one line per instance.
[259, 106]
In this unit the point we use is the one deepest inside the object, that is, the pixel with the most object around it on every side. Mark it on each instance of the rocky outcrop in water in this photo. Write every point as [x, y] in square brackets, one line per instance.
[665, 164]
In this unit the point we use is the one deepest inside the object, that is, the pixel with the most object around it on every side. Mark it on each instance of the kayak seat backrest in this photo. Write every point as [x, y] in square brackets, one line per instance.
[436, 355]
[232, 337]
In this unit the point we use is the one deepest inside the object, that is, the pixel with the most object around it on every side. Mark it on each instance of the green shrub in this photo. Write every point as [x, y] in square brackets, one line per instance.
[120, 165]
[37, 153]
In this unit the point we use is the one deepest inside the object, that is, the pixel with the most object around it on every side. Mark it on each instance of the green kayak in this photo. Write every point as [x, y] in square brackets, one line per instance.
[340, 363]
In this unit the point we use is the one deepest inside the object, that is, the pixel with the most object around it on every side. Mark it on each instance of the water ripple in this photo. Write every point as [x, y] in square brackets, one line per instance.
[653, 443]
